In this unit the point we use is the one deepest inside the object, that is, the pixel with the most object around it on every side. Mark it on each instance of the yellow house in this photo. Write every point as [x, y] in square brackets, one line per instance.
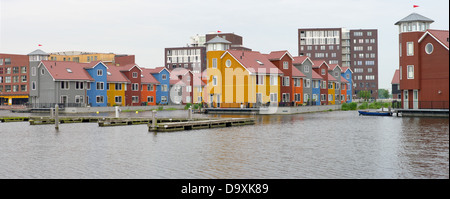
[331, 89]
[82, 57]
[116, 87]
[237, 77]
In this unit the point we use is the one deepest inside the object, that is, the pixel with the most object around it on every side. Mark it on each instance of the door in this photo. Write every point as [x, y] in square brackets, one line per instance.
[405, 99]
[415, 99]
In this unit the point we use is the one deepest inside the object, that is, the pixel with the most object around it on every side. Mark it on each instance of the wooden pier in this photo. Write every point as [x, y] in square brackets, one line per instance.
[199, 124]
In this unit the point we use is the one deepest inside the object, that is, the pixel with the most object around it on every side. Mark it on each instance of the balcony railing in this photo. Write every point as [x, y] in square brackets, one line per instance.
[422, 104]
[52, 105]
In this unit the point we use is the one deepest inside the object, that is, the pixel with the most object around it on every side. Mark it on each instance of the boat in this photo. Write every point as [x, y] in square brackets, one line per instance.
[375, 113]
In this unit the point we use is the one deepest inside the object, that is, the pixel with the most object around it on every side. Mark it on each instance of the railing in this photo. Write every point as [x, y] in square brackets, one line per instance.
[52, 105]
[422, 104]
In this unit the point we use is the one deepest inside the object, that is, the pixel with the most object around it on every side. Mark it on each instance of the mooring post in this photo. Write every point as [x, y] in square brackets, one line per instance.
[117, 112]
[190, 113]
[56, 117]
[153, 119]
[52, 113]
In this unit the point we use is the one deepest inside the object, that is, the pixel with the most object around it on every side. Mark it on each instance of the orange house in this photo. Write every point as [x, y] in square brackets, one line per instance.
[344, 84]
[148, 88]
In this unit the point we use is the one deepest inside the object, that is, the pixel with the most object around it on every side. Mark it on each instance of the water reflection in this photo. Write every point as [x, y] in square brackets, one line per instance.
[316, 145]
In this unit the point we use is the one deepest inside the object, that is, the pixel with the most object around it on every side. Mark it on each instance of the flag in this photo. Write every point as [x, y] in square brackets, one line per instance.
[219, 31]
[415, 6]
[39, 45]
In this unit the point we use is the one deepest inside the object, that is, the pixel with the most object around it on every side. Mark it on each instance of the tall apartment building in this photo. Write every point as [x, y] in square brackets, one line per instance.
[357, 49]
[14, 79]
[193, 56]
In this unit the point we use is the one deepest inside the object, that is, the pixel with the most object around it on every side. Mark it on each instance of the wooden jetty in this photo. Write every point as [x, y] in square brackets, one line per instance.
[14, 119]
[63, 120]
[199, 124]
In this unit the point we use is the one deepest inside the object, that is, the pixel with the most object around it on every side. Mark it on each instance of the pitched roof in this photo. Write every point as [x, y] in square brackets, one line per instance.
[277, 55]
[197, 78]
[157, 70]
[254, 62]
[297, 73]
[147, 77]
[396, 78]
[331, 78]
[115, 76]
[318, 63]
[315, 75]
[344, 69]
[343, 80]
[301, 60]
[440, 35]
[414, 17]
[333, 66]
[65, 70]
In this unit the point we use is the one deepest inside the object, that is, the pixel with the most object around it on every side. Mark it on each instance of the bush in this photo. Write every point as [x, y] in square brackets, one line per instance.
[353, 105]
[160, 108]
[364, 105]
[345, 107]
[188, 105]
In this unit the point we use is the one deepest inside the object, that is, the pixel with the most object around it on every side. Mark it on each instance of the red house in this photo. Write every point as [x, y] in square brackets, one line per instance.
[133, 90]
[321, 67]
[424, 64]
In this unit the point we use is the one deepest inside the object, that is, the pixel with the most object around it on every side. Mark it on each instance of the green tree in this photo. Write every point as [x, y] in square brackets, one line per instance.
[364, 95]
[383, 94]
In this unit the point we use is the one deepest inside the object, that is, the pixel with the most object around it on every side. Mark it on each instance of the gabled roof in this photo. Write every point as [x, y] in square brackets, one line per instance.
[344, 69]
[396, 78]
[68, 71]
[441, 36]
[301, 60]
[331, 78]
[297, 73]
[333, 66]
[277, 55]
[318, 63]
[158, 70]
[94, 64]
[315, 75]
[254, 62]
[115, 76]
[414, 17]
[197, 78]
[343, 80]
[147, 77]
[128, 67]
[175, 73]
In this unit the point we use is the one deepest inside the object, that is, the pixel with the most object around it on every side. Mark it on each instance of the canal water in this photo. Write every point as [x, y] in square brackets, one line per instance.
[331, 145]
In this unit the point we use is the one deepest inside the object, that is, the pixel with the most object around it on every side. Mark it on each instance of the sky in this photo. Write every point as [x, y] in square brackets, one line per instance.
[145, 27]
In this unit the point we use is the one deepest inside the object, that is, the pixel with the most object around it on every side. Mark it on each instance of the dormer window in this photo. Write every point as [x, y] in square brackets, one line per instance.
[99, 72]
[135, 74]
[69, 70]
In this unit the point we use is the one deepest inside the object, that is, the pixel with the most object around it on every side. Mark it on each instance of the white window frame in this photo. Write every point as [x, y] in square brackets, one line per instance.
[99, 72]
[116, 99]
[410, 69]
[99, 97]
[285, 65]
[409, 48]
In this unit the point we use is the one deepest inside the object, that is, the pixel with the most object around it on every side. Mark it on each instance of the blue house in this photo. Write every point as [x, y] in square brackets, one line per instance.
[97, 90]
[162, 90]
[316, 82]
[347, 74]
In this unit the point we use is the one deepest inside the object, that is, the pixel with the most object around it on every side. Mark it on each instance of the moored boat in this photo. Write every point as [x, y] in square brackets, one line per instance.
[375, 113]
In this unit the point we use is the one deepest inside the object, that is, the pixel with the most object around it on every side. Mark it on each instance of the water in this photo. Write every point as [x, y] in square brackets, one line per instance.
[317, 145]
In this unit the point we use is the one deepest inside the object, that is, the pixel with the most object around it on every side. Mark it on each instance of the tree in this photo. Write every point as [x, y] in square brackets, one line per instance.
[364, 95]
[383, 94]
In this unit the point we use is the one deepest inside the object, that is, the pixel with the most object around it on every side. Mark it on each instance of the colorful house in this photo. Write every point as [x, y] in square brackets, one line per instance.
[97, 91]
[148, 87]
[116, 86]
[162, 75]
[332, 82]
[181, 84]
[347, 75]
[291, 88]
[316, 80]
[199, 90]
[63, 83]
[321, 67]
[344, 85]
[133, 89]
[239, 77]
[335, 71]
[304, 65]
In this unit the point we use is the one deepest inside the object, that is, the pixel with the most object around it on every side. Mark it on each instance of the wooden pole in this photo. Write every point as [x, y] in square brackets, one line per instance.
[56, 117]
[153, 119]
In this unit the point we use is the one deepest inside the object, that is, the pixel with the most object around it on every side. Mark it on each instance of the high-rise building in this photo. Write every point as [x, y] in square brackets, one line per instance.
[357, 49]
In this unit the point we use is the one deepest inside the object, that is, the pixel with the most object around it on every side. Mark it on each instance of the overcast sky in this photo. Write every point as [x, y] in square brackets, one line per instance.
[145, 28]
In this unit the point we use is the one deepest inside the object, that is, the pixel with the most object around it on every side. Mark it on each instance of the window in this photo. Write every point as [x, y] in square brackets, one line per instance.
[135, 74]
[7, 61]
[188, 99]
[306, 69]
[330, 85]
[259, 80]
[118, 99]
[273, 97]
[323, 71]
[410, 71]
[228, 63]
[79, 99]
[330, 97]
[214, 80]
[164, 76]
[150, 99]
[79, 85]
[33, 85]
[409, 48]
[297, 97]
[23, 69]
[99, 72]
[42, 71]
[150, 87]
[135, 87]
[285, 65]
[188, 89]
[214, 63]
[100, 99]
[64, 85]
[23, 78]
[285, 81]
[33, 71]
[100, 86]
[297, 82]
[163, 99]
[308, 83]
[273, 80]
[118, 86]
[23, 88]
[134, 99]
[429, 48]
